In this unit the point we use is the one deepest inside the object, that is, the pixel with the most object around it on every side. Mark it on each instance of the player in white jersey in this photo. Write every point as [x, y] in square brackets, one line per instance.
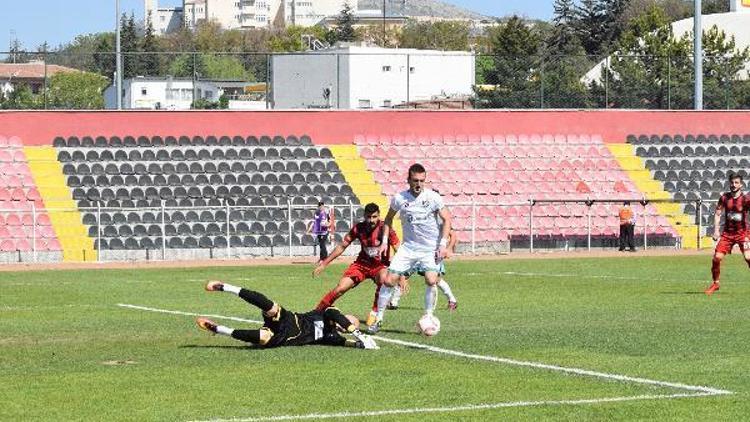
[424, 241]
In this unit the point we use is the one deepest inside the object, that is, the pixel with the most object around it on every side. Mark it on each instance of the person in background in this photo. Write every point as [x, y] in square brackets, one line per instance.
[320, 226]
[627, 226]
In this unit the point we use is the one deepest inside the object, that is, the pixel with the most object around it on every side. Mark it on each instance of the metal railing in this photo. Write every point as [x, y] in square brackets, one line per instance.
[483, 228]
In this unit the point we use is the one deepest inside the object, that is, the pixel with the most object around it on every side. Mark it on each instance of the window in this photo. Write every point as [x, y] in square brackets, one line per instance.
[208, 95]
[144, 91]
[364, 104]
[386, 68]
[163, 18]
[386, 103]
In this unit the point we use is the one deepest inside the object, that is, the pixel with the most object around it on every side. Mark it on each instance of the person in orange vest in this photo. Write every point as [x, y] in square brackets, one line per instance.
[627, 226]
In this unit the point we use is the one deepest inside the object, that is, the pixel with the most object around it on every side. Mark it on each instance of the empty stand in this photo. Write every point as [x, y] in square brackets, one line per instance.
[216, 191]
[694, 167]
[508, 169]
[24, 223]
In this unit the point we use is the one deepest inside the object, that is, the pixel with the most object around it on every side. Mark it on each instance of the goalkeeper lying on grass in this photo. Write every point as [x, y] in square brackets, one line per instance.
[285, 328]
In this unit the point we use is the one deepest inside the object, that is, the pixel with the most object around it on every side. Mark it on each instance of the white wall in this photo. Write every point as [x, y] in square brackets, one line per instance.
[370, 77]
[170, 95]
[298, 80]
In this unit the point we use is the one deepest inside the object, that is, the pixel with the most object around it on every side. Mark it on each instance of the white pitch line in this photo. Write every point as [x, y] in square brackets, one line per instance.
[537, 365]
[488, 406]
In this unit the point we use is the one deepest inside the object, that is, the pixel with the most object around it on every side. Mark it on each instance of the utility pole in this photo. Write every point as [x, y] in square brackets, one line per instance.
[383, 23]
[698, 54]
[118, 57]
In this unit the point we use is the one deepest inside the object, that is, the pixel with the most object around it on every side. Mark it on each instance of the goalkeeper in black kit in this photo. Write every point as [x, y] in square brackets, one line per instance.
[284, 328]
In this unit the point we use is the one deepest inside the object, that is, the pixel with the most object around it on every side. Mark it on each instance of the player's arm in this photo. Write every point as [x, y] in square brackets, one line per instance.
[445, 233]
[393, 240]
[717, 219]
[387, 224]
[452, 242]
[340, 248]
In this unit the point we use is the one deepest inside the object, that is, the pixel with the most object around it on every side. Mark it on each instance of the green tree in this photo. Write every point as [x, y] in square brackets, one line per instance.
[442, 35]
[77, 90]
[129, 46]
[643, 73]
[721, 68]
[225, 67]
[188, 66]
[149, 63]
[21, 98]
[344, 30]
[516, 62]
[291, 38]
[104, 60]
[590, 25]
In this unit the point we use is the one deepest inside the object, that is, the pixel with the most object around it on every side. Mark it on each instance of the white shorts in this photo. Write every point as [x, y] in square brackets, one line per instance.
[407, 261]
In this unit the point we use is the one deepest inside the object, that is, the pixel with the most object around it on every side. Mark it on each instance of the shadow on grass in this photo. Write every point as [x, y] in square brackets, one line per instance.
[219, 346]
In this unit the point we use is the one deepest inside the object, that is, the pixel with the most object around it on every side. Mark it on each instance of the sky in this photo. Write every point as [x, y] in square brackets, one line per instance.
[58, 22]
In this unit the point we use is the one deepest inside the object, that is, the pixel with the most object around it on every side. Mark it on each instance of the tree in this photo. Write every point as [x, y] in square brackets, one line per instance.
[442, 35]
[589, 25]
[344, 30]
[149, 63]
[564, 62]
[516, 61]
[564, 24]
[77, 90]
[21, 98]
[722, 65]
[129, 46]
[104, 56]
[650, 65]
[291, 38]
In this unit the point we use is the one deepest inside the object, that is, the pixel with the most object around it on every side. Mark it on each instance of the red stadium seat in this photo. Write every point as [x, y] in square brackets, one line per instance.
[53, 245]
[15, 142]
[7, 245]
[5, 156]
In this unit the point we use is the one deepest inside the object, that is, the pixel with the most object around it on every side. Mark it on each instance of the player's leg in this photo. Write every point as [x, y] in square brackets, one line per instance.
[258, 337]
[716, 267]
[622, 237]
[267, 306]
[384, 296]
[631, 237]
[334, 316]
[323, 246]
[430, 293]
[347, 282]
[444, 287]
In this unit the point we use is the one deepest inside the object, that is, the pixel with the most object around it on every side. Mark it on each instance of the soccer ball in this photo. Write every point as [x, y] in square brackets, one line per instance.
[428, 325]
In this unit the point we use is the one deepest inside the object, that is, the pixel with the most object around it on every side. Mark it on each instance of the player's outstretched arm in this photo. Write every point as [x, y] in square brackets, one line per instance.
[340, 248]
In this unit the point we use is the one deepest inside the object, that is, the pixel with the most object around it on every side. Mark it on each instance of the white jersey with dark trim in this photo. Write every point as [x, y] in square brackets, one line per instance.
[419, 219]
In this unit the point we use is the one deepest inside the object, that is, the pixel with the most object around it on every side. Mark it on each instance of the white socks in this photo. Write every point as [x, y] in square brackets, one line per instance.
[446, 289]
[396, 296]
[383, 299]
[231, 288]
[220, 329]
[430, 298]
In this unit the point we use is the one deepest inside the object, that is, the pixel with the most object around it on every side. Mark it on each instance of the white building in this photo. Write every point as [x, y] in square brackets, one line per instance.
[243, 14]
[357, 77]
[178, 94]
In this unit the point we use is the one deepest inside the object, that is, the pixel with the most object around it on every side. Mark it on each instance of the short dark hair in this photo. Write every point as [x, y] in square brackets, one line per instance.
[626, 203]
[371, 208]
[321, 203]
[733, 176]
[416, 168]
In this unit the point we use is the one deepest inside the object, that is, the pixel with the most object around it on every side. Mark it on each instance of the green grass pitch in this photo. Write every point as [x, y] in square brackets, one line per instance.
[68, 352]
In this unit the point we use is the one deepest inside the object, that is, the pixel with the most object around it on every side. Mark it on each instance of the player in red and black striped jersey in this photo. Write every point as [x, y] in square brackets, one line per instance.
[285, 328]
[734, 206]
[370, 263]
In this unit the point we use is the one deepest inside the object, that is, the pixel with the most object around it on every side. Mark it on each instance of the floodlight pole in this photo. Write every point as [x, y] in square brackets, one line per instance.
[698, 54]
[383, 23]
[118, 57]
